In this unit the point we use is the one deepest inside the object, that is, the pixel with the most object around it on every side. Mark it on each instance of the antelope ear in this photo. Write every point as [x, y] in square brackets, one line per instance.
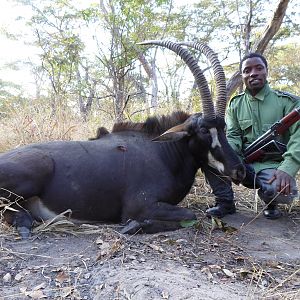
[173, 134]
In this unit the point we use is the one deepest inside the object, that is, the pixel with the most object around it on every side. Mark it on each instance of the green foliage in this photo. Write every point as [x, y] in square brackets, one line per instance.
[284, 67]
[102, 82]
[189, 223]
[55, 27]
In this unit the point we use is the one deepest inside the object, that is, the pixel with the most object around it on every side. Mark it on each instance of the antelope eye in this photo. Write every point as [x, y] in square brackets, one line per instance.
[203, 130]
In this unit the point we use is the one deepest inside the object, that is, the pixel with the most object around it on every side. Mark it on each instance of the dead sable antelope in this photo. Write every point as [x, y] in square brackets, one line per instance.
[124, 176]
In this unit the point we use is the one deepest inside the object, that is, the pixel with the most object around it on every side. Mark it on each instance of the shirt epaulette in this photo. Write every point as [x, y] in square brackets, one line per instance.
[286, 94]
[236, 96]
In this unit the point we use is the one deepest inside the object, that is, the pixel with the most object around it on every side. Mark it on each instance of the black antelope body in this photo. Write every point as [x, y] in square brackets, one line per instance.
[136, 174]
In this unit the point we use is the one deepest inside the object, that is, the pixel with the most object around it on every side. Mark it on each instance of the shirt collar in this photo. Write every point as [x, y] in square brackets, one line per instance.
[261, 94]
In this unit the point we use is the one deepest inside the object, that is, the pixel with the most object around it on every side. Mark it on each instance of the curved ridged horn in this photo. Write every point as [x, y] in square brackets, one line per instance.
[207, 103]
[218, 74]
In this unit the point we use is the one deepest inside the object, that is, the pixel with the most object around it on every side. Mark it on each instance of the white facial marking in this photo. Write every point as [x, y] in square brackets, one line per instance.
[215, 163]
[214, 136]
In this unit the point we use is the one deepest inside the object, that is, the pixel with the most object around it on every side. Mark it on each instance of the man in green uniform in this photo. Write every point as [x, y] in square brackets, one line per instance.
[249, 115]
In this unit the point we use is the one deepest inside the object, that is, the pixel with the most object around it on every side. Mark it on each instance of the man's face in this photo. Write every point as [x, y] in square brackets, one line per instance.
[254, 73]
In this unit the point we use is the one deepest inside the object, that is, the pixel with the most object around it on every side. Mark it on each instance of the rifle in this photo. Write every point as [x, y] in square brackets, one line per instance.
[266, 145]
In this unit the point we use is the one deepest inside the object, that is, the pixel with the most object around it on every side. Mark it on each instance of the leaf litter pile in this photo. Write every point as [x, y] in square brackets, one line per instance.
[242, 256]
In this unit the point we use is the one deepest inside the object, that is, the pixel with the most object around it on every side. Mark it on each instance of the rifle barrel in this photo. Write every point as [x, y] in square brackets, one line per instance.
[277, 128]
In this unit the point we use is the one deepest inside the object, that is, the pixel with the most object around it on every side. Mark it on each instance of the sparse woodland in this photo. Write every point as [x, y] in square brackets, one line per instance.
[89, 71]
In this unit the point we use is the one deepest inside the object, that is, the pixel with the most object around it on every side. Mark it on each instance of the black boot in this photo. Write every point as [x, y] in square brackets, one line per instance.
[272, 212]
[221, 209]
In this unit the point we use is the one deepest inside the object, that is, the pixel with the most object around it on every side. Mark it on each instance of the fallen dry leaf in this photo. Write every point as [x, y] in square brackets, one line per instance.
[19, 277]
[99, 241]
[38, 294]
[40, 286]
[66, 291]
[155, 247]
[214, 268]
[61, 277]
[7, 278]
[165, 295]
[208, 273]
[228, 273]
[244, 272]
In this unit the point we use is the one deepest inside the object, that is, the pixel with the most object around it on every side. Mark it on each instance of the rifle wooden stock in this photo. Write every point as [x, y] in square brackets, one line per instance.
[254, 156]
[272, 150]
[257, 150]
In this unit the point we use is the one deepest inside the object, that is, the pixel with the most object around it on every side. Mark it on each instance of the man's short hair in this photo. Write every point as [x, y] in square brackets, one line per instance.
[254, 54]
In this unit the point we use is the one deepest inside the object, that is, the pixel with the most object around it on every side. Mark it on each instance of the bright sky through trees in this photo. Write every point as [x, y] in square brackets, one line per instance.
[12, 50]
[13, 17]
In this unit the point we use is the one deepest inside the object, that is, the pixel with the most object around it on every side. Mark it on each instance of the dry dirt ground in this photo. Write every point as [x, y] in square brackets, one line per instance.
[249, 257]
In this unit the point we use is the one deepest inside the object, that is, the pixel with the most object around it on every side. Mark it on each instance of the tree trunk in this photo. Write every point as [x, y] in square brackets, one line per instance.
[272, 28]
[118, 83]
[150, 70]
[261, 44]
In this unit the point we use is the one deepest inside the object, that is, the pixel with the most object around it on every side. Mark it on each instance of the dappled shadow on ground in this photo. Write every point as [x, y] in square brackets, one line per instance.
[243, 257]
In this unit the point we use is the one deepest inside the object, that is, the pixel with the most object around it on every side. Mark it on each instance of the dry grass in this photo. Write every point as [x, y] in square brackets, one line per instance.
[275, 280]
[35, 124]
[271, 280]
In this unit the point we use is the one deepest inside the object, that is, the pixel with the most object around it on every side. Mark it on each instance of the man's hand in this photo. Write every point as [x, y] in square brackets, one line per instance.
[283, 182]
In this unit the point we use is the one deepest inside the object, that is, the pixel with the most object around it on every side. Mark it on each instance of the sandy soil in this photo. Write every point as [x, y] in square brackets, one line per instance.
[249, 257]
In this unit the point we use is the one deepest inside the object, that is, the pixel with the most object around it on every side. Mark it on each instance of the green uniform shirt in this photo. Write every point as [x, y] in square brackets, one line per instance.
[249, 117]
